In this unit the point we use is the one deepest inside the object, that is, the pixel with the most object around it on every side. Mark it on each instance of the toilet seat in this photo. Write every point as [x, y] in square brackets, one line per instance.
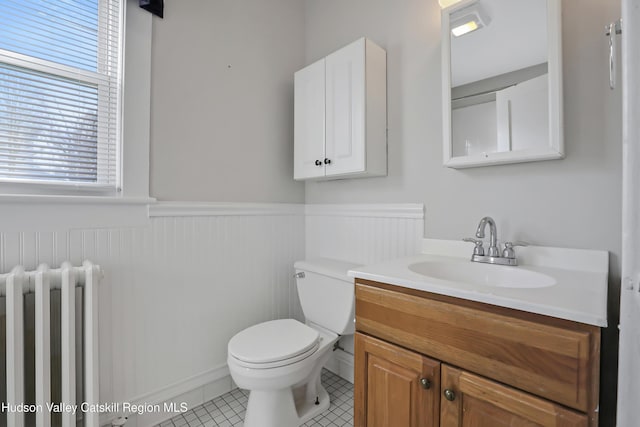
[274, 343]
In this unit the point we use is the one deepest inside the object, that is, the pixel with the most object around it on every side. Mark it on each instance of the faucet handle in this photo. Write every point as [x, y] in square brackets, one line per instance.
[508, 251]
[478, 250]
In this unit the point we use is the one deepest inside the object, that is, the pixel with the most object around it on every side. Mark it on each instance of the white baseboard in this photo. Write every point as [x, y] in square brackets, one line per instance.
[199, 389]
[193, 391]
[341, 363]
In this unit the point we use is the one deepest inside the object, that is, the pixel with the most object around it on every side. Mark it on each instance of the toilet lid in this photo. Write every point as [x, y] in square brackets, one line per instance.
[273, 341]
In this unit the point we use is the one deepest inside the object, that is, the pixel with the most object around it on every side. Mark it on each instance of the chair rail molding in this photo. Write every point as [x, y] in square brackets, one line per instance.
[169, 209]
[381, 210]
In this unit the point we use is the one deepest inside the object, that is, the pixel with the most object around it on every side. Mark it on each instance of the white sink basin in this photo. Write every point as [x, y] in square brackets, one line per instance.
[570, 284]
[474, 273]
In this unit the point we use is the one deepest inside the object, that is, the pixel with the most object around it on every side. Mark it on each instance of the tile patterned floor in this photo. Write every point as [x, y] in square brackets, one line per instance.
[228, 409]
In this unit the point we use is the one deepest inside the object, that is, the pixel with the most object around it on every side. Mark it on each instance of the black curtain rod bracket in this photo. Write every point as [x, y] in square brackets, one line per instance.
[154, 6]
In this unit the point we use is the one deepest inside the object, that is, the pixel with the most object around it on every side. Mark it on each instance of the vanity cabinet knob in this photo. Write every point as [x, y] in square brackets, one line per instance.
[327, 161]
[450, 395]
[426, 384]
[318, 163]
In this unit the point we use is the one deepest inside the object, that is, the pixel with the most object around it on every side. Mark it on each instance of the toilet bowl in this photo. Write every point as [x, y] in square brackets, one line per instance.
[280, 361]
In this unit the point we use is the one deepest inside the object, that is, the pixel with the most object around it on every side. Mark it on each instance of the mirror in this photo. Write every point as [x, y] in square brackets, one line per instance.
[502, 82]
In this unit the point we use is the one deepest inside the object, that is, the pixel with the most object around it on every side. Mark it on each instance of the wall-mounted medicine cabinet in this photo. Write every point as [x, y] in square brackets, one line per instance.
[340, 114]
[502, 82]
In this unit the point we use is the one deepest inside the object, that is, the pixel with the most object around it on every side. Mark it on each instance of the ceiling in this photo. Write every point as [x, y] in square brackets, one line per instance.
[515, 38]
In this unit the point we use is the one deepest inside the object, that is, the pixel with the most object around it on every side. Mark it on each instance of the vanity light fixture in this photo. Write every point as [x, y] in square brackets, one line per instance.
[468, 19]
[465, 28]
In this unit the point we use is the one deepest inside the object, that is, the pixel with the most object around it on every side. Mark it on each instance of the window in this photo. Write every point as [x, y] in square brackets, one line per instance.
[60, 87]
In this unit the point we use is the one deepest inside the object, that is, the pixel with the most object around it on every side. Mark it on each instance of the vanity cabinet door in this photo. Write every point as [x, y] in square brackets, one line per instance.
[394, 386]
[471, 400]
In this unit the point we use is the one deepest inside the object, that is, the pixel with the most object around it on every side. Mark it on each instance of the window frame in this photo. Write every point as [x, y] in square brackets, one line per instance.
[103, 82]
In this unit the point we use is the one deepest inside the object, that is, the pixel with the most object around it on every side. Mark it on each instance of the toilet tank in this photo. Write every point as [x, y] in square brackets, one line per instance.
[327, 294]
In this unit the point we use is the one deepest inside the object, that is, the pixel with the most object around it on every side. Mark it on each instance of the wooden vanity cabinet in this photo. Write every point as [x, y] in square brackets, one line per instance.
[424, 359]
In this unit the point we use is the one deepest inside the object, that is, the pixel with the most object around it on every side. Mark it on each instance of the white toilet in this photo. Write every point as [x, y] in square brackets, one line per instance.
[280, 361]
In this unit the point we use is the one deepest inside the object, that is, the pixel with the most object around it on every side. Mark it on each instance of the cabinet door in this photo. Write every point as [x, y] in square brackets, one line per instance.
[309, 123]
[393, 386]
[471, 400]
[345, 110]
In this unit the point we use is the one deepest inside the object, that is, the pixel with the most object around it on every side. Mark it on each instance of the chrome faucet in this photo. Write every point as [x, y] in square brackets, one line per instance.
[493, 235]
[493, 255]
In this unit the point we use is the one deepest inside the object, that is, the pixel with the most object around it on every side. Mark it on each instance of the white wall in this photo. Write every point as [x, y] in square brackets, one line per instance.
[573, 202]
[222, 100]
[136, 102]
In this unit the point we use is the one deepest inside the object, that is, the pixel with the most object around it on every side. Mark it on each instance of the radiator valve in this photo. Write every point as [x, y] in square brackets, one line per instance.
[119, 422]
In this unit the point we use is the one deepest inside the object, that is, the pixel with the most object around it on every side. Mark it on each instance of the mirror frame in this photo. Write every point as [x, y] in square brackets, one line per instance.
[555, 148]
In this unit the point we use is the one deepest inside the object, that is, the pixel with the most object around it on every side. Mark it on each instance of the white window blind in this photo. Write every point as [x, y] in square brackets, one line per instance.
[60, 85]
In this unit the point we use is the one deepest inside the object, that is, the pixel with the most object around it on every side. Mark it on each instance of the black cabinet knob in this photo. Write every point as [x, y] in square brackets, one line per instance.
[450, 395]
[327, 161]
[318, 163]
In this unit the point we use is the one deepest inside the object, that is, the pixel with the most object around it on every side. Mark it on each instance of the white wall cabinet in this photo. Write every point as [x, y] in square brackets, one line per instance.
[340, 123]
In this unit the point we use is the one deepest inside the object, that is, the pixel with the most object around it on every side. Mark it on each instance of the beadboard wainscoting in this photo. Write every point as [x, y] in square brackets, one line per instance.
[182, 278]
[179, 282]
[363, 234]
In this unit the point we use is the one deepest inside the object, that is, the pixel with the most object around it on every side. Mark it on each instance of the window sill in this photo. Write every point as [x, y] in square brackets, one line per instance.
[75, 200]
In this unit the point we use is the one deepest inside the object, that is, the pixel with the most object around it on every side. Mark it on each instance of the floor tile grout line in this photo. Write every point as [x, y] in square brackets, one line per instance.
[228, 410]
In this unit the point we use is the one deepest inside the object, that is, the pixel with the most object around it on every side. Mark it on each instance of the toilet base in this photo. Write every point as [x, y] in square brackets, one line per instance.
[278, 409]
[291, 406]
[309, 409]
[273, 408]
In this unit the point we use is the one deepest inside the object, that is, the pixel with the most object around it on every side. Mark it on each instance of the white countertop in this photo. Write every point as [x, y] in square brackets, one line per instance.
[579, 293]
